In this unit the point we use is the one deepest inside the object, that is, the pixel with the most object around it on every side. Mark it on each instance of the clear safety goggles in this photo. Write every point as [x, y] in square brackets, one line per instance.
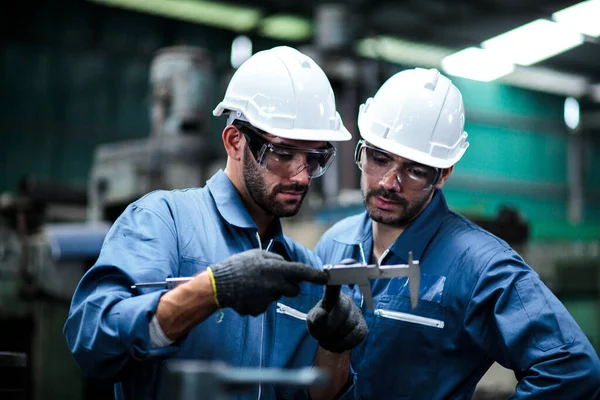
[379, 164]
[285, 161]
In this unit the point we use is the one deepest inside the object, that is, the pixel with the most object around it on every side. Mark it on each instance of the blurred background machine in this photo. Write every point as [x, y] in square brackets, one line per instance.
[51, 233]
[43, 255]
[197, 380]
[177, 154]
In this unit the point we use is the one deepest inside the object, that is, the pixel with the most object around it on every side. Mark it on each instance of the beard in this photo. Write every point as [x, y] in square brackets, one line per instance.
[266, 199]
[404, 213]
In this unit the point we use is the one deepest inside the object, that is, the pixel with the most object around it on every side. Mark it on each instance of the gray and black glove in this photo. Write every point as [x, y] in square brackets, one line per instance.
[336, 322]
[249, 281]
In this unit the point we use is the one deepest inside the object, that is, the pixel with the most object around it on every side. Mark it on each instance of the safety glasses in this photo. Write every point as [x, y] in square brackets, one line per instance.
[285, 161]
[378, 164]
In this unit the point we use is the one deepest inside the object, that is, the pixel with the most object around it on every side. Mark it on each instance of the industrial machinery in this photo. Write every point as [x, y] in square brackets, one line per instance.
[50, 235]
[178, 152]
[45, 248]
[197, 380]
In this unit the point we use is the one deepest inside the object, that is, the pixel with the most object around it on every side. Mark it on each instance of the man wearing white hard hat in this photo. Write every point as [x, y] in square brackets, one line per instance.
[253, 286]
[479, 302]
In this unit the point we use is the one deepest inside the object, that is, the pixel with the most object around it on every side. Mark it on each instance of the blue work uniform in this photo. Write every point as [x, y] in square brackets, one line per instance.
[180, 233]
[479, 303]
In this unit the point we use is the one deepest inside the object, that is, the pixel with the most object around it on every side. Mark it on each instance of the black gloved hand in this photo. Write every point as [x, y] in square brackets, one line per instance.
[336, 322]
[248, 282]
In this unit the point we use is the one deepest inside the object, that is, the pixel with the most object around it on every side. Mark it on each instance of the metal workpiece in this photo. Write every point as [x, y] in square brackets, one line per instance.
[197, 380]
[354, 273]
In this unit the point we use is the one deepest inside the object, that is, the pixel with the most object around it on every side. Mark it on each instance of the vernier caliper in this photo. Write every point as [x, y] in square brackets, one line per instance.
[350, 272]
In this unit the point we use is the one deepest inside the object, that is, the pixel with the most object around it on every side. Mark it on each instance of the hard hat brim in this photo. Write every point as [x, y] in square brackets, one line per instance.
[317, 135]
[412, 154]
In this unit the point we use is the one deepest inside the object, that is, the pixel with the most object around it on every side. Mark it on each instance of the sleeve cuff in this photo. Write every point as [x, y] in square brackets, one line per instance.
[157, 336]
[133, 317]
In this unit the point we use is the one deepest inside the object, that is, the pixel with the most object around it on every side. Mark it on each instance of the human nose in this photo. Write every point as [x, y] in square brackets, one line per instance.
[391, 180]
[302, 177]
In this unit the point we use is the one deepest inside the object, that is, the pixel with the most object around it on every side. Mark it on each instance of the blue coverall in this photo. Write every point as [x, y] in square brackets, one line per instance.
[479, 303]
[180, 233]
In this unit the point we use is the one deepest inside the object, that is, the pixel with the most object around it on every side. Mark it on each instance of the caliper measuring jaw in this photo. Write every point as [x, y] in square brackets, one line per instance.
[349, 272]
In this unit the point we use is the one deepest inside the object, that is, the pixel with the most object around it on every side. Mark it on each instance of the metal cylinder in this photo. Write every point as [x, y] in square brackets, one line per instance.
[181, 79]
[333, 27]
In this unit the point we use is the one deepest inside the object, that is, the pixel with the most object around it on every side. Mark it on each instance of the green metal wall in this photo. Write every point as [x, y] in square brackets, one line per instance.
[518, 157]
[58, 105]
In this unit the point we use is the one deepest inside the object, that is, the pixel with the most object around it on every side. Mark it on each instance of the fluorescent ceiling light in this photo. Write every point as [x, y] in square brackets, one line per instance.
[548, 81]
[222, 15]
[571, 113]
[583, 17]
[476, 64]
[411, 54]
[241, 50]
[396, 50]
[533, 42]
[286, 27]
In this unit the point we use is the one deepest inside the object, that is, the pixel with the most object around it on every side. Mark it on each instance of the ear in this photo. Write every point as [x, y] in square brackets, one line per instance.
[234, 142]
[445, 175]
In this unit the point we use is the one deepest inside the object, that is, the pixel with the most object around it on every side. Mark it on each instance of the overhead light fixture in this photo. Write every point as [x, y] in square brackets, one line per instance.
[583, 17]
[571, 113]
[476, 64]
[286, 27]
[401, 51]
[548, 81]
[234, 17]
[534, 42]
[241, 50]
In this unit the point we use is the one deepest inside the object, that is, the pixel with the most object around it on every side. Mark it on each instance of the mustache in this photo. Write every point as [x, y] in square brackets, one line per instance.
[293, 187]
[387, 195]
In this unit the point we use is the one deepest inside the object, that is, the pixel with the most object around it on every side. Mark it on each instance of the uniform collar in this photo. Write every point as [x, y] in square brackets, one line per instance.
[414, 238]
[232, 209]
[359, 233]
[229, 202]
[419, 233]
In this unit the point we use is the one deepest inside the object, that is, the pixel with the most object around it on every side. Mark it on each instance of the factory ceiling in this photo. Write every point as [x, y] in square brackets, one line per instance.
[452, 25]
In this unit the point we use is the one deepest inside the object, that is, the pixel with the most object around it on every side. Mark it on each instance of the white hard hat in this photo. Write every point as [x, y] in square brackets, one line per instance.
[417, 114]
[285, 93]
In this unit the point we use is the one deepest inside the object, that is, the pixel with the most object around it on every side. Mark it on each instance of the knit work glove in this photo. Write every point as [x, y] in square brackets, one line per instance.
[250, 281]
[335, 321]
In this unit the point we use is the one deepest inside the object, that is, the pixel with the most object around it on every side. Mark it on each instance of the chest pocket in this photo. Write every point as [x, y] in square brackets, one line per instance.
[406, 341]
[192, 266]
[293, 345]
